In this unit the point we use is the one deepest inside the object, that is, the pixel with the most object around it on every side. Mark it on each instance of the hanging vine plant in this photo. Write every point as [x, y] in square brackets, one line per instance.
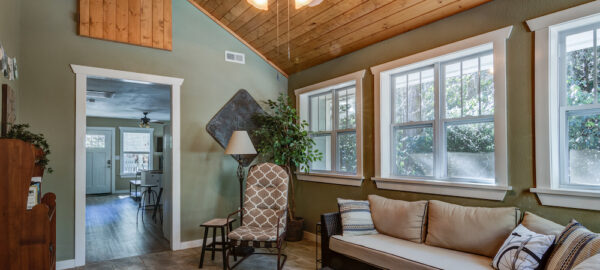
[20, 132]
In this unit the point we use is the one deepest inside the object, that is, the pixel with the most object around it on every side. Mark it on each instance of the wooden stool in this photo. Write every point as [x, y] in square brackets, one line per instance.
[217, 223]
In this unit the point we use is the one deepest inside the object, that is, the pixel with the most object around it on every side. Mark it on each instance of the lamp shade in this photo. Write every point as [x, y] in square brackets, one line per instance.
[240, 144]
[260, 4]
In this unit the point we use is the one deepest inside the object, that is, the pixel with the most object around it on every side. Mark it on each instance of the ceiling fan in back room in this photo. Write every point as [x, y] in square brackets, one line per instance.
[145, 121]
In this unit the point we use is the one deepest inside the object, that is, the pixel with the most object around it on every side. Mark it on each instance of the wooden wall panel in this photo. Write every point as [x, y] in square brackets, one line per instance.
[139, 22]
[133, 28]
[122, 27]
[158, 30]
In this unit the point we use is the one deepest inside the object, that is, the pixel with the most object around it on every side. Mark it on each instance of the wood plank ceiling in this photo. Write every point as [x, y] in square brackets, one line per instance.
[331, 29]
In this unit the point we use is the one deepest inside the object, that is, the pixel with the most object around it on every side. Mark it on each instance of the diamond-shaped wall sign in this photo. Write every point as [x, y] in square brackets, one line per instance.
[236, 114]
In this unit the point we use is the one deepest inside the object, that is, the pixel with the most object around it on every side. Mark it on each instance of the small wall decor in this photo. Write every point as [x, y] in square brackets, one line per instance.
[236, 114]
[9, 108]
[11, 68]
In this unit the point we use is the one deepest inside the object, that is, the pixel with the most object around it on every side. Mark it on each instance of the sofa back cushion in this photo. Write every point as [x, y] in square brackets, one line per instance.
[541, 225]
[400, 219]
[477, 230]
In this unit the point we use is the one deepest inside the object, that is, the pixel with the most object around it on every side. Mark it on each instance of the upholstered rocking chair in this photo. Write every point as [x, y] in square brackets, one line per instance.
[264, 213]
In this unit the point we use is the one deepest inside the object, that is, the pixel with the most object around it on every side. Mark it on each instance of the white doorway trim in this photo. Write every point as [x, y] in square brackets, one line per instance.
[112, 154]
[81, 74]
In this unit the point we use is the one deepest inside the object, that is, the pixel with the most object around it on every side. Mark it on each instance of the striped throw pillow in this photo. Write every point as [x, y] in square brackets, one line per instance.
[356, 217]
[574, 245]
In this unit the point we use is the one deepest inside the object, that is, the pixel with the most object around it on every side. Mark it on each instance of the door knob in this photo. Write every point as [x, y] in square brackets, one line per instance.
[108, 164]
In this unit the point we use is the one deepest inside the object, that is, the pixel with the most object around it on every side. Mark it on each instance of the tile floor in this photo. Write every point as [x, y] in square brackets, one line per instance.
[301, 255]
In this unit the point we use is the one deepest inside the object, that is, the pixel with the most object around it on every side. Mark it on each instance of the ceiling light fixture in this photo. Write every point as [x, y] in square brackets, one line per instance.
[260, 4]
[310, 3]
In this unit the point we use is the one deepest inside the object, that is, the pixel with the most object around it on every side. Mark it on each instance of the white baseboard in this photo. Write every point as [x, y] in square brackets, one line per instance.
[125, 191]
[66, 264]
[196, 243]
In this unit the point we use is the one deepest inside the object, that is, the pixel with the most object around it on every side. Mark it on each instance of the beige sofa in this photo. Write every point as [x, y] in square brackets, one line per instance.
[425, 235]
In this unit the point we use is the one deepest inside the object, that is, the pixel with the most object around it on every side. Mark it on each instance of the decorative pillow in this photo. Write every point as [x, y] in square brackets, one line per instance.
[522, 250]
[591, 263]
[477, 230]
[356, 217]
[541, 225]
[575, 245]
[400, 219]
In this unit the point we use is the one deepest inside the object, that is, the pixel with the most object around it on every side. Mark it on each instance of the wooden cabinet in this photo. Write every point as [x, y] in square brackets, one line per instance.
[27, 237]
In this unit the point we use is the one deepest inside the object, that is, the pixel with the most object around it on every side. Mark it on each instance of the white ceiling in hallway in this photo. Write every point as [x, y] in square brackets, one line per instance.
[126, 99]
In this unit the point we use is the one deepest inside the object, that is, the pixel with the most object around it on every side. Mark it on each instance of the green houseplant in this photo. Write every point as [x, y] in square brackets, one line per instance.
[20, 132]
[285, 141]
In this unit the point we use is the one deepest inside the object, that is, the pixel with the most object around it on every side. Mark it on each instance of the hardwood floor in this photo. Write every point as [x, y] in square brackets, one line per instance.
[301, 255]
[112, 233]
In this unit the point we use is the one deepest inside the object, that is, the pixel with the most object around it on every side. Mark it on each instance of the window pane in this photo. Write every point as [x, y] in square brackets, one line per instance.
[486, 82]
[452, 88]
[325, 111]
[414, 96]
[346, 152]
[579, 63]
[470, 93]
[413, 151]
[94, 141]
[584, 149]
[427, 95]
[346, 108]
[314, 113]
[136, 142]
[135, 162]
[400, 99]
[323, 144]
[471, 151]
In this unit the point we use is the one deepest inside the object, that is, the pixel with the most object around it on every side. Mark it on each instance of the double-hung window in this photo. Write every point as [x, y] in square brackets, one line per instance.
[567, 107]
[441, 120]
[136, 150]
[332, 112]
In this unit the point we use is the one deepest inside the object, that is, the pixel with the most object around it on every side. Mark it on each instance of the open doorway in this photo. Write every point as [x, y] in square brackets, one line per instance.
[125, 125]
[127, 164]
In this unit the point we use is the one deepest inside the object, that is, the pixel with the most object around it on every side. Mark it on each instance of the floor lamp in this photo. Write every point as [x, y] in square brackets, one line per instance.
[240, 144]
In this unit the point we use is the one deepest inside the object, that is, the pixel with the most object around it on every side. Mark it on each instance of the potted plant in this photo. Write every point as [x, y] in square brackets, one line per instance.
[20, 132]
[285, 141]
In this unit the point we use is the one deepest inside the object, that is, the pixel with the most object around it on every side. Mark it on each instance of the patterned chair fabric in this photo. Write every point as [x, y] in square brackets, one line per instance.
[264, 201]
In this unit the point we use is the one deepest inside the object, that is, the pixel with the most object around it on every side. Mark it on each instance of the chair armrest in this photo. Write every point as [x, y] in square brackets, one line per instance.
[232, 214]
[331, 224]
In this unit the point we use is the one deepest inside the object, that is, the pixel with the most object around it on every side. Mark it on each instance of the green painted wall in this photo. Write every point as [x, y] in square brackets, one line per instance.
[47, 91]
[122, 183]
[9, 37]
[316, 198]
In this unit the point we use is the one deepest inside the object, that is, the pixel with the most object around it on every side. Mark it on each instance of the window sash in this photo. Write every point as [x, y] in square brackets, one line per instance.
[440, 121]
[123, 131]
[335, 130]
[562, 57]
[564, 156]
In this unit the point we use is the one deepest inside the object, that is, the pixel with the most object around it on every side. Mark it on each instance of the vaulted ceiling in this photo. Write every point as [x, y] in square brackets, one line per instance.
[326, 31]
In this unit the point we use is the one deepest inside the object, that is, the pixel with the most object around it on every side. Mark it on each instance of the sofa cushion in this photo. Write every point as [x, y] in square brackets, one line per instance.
[356, 217]
[522, 250]
[541, 225]
[392, 253]
[476, 230]
[400, 219]
[590, 263]
[575, 245]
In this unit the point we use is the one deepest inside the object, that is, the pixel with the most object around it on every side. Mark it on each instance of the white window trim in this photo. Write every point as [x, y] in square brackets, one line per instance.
[547, 143]
[382, 73]
[336, 178]
[150, 154]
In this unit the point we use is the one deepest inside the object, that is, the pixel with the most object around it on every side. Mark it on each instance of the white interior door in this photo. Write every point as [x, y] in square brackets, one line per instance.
[98, 145]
